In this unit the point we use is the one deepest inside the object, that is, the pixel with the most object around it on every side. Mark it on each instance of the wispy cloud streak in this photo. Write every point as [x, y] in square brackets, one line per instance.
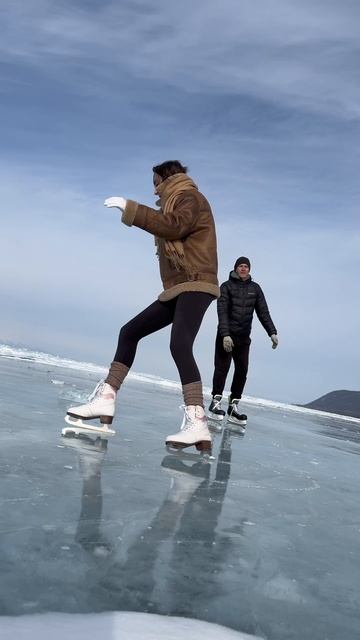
[301, 55]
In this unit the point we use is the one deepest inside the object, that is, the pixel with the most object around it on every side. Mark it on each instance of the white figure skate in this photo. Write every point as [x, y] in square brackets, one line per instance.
[193, 432]
[101, 406]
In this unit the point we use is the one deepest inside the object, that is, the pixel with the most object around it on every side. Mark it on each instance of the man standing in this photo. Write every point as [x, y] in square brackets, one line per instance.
[240, 297]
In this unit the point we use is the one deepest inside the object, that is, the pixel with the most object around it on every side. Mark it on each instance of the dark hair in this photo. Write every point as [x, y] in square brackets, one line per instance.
[169, 168]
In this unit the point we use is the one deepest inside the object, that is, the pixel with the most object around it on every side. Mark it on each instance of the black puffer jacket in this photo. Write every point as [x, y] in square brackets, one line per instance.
[236, 305]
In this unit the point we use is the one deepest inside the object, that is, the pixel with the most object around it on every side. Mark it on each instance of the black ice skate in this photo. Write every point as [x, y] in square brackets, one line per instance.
[215, 411]
[234, 417]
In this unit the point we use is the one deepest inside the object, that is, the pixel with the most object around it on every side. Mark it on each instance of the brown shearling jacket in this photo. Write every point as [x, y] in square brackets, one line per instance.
[192, 222]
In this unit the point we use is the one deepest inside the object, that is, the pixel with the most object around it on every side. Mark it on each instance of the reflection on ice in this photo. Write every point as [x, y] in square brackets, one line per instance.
[88, 533]
[264, 539]
[187, 516]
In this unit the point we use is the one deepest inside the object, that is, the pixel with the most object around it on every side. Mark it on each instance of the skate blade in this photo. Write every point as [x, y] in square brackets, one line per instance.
[77, 427]
[214, 418]
[180, 452]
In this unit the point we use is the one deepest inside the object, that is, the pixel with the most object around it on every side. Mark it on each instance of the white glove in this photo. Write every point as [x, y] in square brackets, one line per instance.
[275, 340]
[116, 201]
[228, 344]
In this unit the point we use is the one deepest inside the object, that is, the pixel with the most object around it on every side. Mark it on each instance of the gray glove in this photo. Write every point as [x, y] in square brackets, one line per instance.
[275, 340]
[228, 344]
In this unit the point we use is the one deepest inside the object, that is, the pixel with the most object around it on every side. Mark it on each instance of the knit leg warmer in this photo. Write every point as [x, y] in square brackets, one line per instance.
[117, 374]
[193, 394]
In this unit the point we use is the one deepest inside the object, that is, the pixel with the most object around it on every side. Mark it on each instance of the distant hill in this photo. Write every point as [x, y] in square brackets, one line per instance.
[346, 403]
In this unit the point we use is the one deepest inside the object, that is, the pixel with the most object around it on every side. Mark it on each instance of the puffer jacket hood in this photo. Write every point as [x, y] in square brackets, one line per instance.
[236, 276]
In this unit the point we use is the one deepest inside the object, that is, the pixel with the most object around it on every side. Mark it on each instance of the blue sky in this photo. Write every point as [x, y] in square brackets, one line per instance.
[260, 99]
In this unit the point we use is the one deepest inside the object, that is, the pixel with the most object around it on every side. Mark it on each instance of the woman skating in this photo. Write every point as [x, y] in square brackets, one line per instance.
[185, 239]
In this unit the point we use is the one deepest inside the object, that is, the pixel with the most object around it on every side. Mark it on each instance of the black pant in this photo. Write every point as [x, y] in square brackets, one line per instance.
[185, 313]
[240, 355]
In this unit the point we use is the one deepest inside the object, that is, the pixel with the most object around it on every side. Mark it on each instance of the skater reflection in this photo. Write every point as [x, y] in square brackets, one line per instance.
[173, 563]
[90, 455]
[134, 585]
[200, 555]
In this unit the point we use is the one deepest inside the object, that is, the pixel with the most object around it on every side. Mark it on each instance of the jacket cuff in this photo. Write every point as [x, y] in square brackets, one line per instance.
[129, 214]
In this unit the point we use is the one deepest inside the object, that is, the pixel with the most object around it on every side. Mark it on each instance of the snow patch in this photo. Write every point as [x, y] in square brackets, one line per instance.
[113, 626]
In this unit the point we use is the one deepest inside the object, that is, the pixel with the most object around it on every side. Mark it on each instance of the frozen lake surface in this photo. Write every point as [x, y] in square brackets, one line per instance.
[265, 540]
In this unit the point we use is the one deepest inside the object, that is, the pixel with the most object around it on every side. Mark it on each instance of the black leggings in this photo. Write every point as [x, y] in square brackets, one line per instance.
[185, 313]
